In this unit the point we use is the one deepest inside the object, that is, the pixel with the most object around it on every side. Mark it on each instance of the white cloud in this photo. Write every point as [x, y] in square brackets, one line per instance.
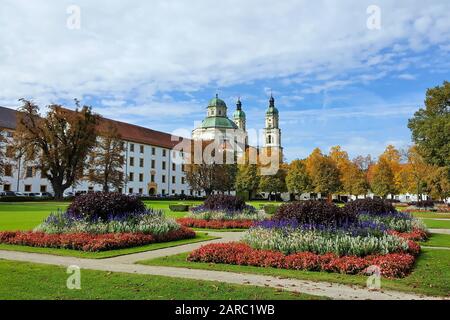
[135, 50]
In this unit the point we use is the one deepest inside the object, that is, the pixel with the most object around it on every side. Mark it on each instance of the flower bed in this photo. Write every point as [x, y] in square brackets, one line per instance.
[322, 237]
[89, 241]
[223, 212]
[146, 221]
[393, 265]
[215, 224]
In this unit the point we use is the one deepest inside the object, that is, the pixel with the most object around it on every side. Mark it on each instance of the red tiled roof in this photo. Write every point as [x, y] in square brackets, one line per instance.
[129, 132]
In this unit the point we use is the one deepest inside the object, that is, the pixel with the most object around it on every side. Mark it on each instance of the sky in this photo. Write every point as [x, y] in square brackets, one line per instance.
[348, 73]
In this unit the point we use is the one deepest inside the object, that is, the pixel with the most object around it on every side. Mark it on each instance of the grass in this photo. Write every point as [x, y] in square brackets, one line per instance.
[431, 215]
[437, 224]
[437, 240]
[106, 254]
[26, 215]
[22, 280]
[431, 275]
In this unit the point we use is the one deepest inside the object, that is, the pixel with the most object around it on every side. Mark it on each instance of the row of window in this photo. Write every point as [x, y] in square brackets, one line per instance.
[29, 171]
[141, 150]
[153, 164]
[152, 178]
[42, 188]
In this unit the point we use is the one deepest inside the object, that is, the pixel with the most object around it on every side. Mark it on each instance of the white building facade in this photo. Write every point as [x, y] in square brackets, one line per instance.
[152, 164]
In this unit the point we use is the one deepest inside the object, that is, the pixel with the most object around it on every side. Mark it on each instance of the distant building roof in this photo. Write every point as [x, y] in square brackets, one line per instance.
[7, 118]
[129, 132]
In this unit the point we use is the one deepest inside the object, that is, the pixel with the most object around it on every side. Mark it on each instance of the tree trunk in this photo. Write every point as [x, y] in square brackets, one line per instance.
[58, 190]
[329, 198]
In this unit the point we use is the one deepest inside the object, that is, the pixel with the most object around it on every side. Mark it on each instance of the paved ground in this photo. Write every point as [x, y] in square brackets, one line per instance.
[126, 264]
[444, 231]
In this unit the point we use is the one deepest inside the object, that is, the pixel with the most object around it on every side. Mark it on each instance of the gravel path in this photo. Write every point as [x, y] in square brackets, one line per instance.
[126, 264]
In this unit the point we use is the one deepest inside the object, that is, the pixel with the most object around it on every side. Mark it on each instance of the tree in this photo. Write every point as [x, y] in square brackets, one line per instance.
[438, 182]
[60, 141]
[430, 126]
[247, 179]
[326, 177]
[355, 180]
[107, 159]
[273, 184]
[383, 178]
[201, 177]
[413, 175]
[297, 178]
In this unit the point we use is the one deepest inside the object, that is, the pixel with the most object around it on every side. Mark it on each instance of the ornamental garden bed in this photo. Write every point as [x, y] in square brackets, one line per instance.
[100, 222]
[318, 236]
[223, 212]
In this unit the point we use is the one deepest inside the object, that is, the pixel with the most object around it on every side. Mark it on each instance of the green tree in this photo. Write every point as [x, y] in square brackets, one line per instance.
[106, 159]
[60, 141]
[326, 177]
[430, 126]
[247, 179]
[383, 182]
[297, 178]
[273, 184]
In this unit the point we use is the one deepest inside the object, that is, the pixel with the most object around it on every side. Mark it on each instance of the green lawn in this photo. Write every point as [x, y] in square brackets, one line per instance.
[21, 280]
[109, 253]
[431, 274]
[437, 224]
[26, 215]
[437, 240]
[431, 215]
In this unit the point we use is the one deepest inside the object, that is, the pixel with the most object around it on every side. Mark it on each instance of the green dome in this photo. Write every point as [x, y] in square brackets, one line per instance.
[218, 122]
[216, 102]
[271, 109]
[239, 114]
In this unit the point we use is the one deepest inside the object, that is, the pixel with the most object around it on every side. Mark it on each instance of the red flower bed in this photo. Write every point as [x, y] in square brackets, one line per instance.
[415, 235]
[90, 242]
[393, 265]
[215, 224]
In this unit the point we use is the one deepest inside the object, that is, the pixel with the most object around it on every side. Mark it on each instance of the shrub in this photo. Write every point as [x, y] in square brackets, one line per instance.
[224, 202]
[215, 224]
[269, 208]
[179, 207]
[314, 212]
[102, 204]
[91, 242]
[369, 206]
[393, 265]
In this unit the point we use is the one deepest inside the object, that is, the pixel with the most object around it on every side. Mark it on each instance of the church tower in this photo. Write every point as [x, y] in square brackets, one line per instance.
[272, 132]
[239, 116]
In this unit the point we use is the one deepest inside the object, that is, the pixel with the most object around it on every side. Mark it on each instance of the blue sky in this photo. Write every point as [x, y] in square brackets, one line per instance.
[157, 63]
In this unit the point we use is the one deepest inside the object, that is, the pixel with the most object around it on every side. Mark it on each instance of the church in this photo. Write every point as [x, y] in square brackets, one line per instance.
[217, 126]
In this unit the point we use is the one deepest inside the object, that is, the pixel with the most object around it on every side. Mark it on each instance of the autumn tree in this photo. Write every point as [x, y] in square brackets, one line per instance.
[438, 182]
[383, 182]
[107, 160]
[430, 126]
[247, 179]
[60, 141]
[413, 174]
[297, 179]
[326, 177]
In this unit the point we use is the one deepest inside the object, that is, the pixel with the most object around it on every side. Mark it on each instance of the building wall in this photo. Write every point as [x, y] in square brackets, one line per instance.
[163, 183]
